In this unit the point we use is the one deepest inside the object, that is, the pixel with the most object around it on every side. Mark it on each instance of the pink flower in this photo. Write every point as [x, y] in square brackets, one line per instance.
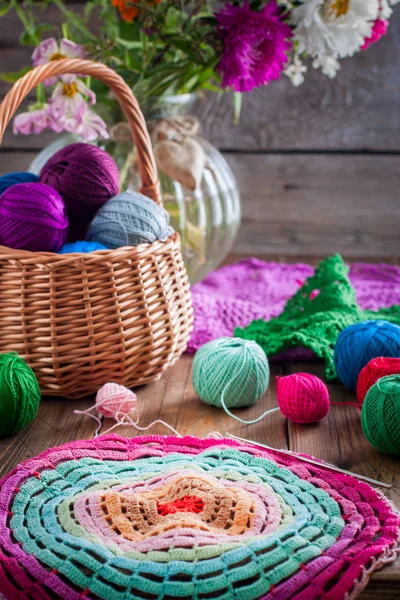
[255, 45]
[49, 50]
[34, 121]
[67, 100]
[379, 30]
[91, 127]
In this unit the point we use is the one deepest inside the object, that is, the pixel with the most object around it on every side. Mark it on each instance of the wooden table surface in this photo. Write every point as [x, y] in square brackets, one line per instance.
[338, 439]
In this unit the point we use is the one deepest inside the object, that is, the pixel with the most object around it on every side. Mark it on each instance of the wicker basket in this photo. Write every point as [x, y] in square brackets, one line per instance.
[80, 320]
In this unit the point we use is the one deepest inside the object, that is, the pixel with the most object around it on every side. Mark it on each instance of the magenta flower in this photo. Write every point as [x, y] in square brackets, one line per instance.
[49, 50]
[379, 30]
[255, 42]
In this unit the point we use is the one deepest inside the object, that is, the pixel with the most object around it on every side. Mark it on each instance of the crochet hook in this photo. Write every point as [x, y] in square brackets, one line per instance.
[313, 462]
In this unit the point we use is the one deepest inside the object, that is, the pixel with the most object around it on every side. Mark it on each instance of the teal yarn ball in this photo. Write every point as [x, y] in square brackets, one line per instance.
[360, 343]
[230, 372]
[129, 219]
[380, 415]
[82, 247]
[19, 394]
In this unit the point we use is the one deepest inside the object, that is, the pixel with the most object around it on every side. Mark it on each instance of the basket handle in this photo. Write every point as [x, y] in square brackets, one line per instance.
[19, 91]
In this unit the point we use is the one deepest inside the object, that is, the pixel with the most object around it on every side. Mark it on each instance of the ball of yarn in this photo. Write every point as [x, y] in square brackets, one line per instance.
[10, 179]
[81, 247]
[380, 415]
[231, 372]
[32, 217]
[129, 219]
[374, 370]
[85, 176]
[114, 399]
[302, 397]
[19, 394]
[359, 343]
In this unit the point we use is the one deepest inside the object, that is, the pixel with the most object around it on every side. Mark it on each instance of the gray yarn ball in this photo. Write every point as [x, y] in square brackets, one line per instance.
[129, 219]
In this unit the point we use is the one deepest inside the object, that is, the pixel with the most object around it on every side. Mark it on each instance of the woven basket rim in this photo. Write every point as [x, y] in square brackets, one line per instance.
[124, 252]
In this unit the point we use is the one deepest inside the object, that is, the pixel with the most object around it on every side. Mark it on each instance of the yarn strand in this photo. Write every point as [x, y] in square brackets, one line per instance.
[130, 421]
[120, 418]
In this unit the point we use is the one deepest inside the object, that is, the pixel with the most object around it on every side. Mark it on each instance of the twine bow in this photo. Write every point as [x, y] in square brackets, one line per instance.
[178, 154]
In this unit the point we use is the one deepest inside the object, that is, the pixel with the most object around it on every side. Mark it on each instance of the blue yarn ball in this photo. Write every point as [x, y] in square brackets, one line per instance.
[10, 179]
[81, 247]
[360, 343]
[129, 219]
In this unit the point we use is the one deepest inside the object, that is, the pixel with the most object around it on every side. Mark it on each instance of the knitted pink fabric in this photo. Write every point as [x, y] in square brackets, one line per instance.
[165, 517]
[237, 294]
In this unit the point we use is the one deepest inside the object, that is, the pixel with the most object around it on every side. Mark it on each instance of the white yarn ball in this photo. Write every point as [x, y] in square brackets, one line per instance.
[129, 219]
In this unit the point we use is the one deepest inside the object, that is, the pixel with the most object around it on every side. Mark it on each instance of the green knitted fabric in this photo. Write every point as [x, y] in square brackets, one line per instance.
[313, 318]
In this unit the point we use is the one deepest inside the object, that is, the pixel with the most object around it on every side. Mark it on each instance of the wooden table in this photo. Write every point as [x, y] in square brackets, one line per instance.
[338, 439]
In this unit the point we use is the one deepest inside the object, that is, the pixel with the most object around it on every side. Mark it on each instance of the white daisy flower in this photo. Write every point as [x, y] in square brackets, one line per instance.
[386, 9]
[295, 71]
[332, 29]
[329, 65]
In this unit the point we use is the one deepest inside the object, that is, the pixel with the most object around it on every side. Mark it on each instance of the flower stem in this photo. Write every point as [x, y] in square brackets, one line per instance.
[40, 95]
[237, 105]
[65, 31]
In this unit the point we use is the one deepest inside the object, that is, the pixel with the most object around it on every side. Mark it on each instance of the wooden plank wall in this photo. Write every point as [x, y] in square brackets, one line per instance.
[318, 166]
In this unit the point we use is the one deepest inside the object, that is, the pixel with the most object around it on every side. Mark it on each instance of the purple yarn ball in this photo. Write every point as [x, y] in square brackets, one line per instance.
[33, 217]
[85, 176]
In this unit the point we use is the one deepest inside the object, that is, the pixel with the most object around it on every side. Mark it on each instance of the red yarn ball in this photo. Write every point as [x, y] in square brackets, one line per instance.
[302, 397]
[374, 370]
[32, 217]
[85, 176]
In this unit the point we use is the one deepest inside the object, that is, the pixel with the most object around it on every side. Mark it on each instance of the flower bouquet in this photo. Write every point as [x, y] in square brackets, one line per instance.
[168, 50]
[164, 47]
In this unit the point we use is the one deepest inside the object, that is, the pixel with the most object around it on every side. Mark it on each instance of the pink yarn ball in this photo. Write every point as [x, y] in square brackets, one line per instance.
[32, 217]
[114, 399]
[302, 397]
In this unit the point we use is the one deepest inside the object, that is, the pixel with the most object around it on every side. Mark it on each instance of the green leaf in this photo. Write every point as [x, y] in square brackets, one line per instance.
[210, 87]
[203, 15]
[128, 31]
[5, 7]
[33, 34]
[133, 62]
[89, 7]
[130, 45]
[13, 76]
[174, 19]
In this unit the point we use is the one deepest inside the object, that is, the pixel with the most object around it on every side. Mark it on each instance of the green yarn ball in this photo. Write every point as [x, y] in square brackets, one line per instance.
[230, 371]
[380, 416]
[19, 394]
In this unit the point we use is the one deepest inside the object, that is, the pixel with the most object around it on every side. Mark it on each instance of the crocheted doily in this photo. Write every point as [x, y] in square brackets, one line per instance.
[164, 518]
[237, 294]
